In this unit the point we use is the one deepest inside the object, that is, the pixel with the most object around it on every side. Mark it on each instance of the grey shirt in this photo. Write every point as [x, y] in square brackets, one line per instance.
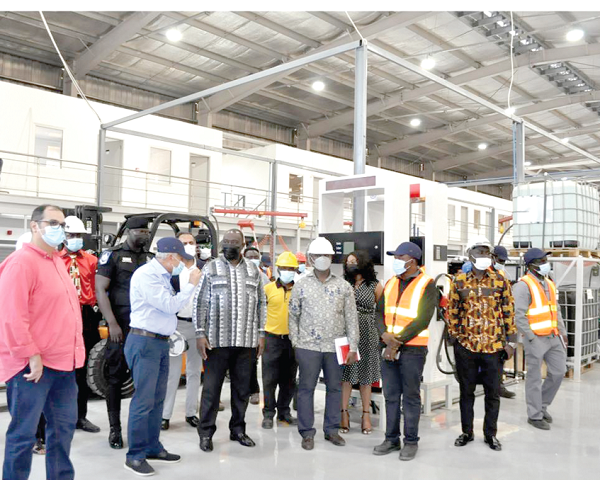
[522, 298]
[320, 312]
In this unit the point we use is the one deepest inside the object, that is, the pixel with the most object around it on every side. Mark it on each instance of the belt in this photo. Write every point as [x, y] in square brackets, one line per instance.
[274, 335]
[185, 319]
[146, 333]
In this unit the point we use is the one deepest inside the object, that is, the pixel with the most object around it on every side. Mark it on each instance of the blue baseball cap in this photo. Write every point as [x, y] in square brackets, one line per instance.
[501, 252]
[172, 245]
[408, 248]
[534, 254]
[266, 259]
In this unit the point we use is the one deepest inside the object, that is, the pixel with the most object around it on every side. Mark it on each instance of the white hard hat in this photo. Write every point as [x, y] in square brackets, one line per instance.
[25, 238]
[479, 241]
[74, 225]
[320, 246]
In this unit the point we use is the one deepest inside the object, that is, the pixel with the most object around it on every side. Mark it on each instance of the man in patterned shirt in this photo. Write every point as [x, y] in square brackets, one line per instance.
[481, 319]
[229, 315]
[322, 308]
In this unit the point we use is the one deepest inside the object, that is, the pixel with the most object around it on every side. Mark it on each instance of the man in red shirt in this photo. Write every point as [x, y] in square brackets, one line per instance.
[41, 345]
[81, 267]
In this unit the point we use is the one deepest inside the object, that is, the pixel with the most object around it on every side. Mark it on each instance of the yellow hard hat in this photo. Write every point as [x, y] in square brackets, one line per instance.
[287, 259]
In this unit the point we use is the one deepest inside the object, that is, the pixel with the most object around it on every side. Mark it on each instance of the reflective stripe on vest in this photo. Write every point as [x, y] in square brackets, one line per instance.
[399, 313]
[543, 311]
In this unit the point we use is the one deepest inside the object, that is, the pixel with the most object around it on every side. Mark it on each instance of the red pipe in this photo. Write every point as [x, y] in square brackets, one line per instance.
[259, 213]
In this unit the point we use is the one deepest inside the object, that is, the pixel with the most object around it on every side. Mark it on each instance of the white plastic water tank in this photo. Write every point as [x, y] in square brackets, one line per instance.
[571, 217]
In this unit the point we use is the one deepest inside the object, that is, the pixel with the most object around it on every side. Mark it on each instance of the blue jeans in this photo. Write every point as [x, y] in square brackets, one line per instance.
[310, 364]
[148, 360]
[402, 383]
[56, 396]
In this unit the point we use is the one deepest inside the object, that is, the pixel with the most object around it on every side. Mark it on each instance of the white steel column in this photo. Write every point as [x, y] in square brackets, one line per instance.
[578, 319]
[360, 132]
[101, 153]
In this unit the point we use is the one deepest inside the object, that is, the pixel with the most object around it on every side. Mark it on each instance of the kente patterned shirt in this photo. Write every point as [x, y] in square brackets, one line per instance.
[230, 304]
[320, 312]
[481, 311]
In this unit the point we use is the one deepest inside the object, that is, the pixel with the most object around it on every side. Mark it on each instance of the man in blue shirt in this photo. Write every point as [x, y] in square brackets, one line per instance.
[154, 306]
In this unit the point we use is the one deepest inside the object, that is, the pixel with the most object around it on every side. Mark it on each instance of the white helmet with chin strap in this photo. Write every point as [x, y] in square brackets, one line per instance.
[74, 225]
[479, 241]
[484, 262]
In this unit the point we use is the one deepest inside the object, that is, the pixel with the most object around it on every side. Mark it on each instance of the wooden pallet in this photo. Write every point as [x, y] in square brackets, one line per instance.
[584, 368]
[560, 252]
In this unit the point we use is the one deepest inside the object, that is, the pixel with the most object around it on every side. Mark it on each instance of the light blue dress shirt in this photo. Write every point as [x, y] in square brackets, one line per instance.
[154, 304]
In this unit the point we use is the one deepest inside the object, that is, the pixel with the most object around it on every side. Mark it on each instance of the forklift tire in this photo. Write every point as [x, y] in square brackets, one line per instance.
[96, 373]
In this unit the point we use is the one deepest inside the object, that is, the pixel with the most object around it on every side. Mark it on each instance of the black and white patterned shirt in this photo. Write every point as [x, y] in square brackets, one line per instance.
[321, 312]
[230, 304]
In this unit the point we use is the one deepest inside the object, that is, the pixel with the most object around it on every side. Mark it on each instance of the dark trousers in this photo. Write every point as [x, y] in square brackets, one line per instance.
[254, 386]
[148, 359]
[279, 369]
[239, 361]
[117, 370]
[402, 386]
[310, 364]
[486, 368]
[56, 396]
[91, 336]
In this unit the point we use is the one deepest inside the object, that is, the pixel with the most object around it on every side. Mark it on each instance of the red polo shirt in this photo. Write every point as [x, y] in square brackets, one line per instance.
[87, 264]
[40, 313]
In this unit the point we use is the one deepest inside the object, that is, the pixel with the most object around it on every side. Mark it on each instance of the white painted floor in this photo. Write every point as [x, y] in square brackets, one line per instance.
[571, 450]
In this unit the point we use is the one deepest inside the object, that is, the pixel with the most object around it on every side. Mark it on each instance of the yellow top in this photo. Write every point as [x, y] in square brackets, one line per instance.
[278, 299]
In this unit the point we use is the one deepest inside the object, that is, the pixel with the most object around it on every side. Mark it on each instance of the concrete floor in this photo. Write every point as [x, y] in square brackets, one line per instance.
[570, 450]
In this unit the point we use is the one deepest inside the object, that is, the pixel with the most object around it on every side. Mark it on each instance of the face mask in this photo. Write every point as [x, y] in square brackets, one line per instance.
[482, 263]
[140, 241]
[74, 244]
[231, 253]
[399, 266]
[352, 270]
[322, 264]
[178, 269]
[544, 269]
[205, 253]
[256, 262]
[53, 236]
[286, 277]
[498, 266]
[302, 268]
[467, 267]
[190, 250]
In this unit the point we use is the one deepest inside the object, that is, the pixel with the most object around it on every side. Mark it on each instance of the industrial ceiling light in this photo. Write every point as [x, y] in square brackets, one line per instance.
[566, 140]
[427, 63]
[527, 164]
[482, 146]
[510, 110]
[575, 35]
[318, 85]
[415, 122]
[564, 178]
[174, 35]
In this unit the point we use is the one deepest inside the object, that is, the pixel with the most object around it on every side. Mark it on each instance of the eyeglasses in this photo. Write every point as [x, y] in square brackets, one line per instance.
[54, 223]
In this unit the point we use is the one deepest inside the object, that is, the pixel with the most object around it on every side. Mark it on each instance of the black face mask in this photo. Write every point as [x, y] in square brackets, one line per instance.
[140, 241]
[352, 270]
[231, 253]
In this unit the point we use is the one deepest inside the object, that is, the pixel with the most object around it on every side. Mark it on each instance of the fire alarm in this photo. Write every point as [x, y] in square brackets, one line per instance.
[9, 232]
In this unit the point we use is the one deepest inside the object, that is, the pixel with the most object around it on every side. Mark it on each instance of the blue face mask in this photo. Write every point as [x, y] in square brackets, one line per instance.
[302, 268]
[53, 236]
[256, 262]
[286, 277]
[74, 244]
[544, 269]
[467, 267]
[178, 269]
[399, 266]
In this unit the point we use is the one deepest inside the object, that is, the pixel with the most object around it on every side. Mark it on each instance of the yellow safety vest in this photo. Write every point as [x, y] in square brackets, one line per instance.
[543, 311]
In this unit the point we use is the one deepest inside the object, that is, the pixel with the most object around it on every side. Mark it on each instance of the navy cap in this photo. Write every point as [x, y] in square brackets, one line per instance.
[172, 245]
[136, 222]
[408, 248]
[501, 252]
[266, 259]
[534, 254]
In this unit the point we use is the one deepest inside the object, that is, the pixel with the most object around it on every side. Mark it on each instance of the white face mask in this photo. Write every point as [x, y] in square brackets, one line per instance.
[498, 266]
[482, 263]
[322, 263]
[205, 253]
[544, 269]
[256, 262]
[399, 266]
[190, 250]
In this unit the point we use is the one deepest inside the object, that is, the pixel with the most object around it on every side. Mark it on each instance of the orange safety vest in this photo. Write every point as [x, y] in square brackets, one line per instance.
[400, 312]
[542, 313]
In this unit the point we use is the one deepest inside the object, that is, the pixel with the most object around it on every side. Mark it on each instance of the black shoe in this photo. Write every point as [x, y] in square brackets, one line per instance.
[288, 419]
[541, 423]
[409, 452]
[267, 423]
[206, 444]
[87, 426]
[192, 421]
[308, 443]
[463, 439]
[504, 393]
[547, 416]
[139, 467]
[336, 439]
[386, 447]
[165, 457]
[242, 439]
[255, 399]
[164, 425]
[115, 439]
[493, 443]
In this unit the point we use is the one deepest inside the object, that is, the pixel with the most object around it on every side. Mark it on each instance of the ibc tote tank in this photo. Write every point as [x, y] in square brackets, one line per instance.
[572, 215]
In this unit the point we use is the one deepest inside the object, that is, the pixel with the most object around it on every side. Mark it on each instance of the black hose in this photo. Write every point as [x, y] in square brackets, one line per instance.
[445, 340]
